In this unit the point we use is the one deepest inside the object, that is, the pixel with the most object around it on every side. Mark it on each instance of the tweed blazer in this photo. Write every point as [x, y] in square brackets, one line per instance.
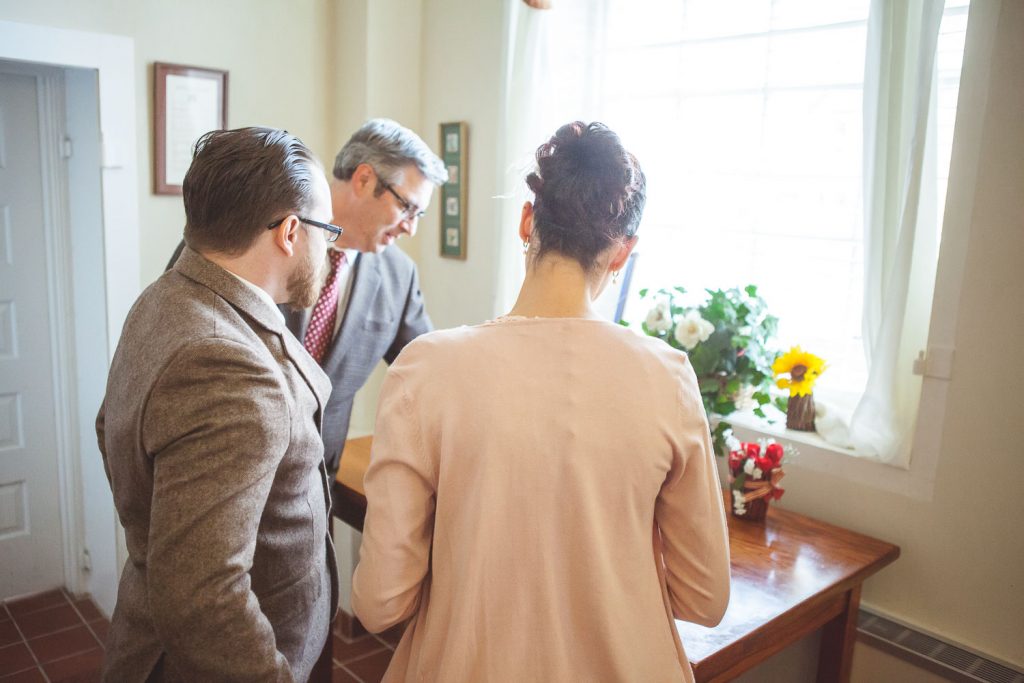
[210, 435]
[385, 312]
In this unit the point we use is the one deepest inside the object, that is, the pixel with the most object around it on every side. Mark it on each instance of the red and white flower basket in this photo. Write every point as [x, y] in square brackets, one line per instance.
[754, 478]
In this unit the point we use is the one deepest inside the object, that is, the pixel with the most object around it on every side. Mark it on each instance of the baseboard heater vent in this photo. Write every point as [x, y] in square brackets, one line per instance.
[936, 655]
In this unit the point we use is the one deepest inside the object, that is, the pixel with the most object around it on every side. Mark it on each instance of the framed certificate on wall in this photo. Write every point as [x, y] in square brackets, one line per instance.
[188, 101]
[454, 153]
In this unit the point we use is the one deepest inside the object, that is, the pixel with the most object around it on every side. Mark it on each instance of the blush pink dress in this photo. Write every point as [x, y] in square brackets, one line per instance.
[543, 502]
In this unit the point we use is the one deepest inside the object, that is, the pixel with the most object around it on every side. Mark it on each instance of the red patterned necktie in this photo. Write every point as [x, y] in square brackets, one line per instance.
[325, 312]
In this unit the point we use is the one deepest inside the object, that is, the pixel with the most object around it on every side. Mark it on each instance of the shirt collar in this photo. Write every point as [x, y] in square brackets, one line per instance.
[350, 255]
[261, 293]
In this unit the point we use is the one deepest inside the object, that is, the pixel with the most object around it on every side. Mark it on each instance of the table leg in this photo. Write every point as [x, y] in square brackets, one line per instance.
[837, 638]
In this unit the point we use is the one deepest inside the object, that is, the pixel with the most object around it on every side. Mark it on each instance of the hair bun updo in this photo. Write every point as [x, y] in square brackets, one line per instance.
[589, 192]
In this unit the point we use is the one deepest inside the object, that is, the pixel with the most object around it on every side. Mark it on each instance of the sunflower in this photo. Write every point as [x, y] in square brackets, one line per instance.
[803, 369]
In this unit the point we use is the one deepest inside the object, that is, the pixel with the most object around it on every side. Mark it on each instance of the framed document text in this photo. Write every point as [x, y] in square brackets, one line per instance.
[188, 101]
[453, 193]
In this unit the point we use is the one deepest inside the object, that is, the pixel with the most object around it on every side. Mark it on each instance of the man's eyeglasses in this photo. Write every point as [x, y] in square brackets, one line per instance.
[409, 210]
[333, 231]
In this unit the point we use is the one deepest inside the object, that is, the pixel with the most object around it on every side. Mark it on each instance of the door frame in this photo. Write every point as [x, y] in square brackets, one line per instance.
[113, 58]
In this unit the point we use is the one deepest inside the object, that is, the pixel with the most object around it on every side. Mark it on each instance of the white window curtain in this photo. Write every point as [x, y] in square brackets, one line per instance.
[538, 99]
[525, 80]
[900, 243]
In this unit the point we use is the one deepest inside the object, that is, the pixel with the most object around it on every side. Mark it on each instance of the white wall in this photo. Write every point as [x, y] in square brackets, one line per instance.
[462, 81]
[276, 53]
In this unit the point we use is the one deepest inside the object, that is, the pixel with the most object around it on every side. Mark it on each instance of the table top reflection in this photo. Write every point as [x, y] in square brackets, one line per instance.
[786, 571]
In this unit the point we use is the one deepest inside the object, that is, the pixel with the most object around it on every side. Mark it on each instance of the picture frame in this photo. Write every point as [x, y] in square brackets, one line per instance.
[188, 101]
[455, 154]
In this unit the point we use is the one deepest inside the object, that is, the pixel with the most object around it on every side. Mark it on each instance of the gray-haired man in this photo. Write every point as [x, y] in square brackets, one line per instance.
[383, 180]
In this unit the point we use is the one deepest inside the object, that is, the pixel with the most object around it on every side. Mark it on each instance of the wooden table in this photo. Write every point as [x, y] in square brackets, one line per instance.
[790, 576]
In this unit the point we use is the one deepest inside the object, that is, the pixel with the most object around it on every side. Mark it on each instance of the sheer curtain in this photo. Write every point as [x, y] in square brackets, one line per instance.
[900, 240]
[538, 98]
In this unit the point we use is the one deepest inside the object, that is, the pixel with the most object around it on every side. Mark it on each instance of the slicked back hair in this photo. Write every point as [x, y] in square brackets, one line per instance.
[241, 180]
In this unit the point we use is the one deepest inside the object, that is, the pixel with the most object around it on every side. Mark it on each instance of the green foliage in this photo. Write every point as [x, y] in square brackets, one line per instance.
[734, 363]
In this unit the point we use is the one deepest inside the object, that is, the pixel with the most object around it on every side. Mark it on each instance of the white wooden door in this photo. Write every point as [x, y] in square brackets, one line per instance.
[31, 542]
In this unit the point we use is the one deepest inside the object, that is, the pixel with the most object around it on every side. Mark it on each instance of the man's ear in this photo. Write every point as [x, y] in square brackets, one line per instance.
[364, 178]
[286, 234]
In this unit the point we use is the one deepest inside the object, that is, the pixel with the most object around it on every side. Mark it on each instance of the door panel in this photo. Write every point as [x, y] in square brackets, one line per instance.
[31, 543]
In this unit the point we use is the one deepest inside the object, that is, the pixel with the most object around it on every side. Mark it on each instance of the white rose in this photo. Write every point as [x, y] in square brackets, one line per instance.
[744, 399]
[659, 318]
[757, 473]
[749, 467]
[692, 330]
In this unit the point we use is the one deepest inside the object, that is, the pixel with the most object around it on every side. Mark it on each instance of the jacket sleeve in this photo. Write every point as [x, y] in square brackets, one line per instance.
[212, 425]
[414, 320]
[690, 516]
[400, 484]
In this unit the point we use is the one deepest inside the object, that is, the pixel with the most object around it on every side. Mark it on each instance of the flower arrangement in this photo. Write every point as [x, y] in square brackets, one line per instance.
[797, 370]
[755, 470]
[727, 337]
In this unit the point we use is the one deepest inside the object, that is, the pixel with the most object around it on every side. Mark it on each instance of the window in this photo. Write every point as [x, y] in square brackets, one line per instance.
[747, 118]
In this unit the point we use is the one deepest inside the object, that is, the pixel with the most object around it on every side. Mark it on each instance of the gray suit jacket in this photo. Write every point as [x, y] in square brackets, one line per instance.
[210, 434]
[385, 312]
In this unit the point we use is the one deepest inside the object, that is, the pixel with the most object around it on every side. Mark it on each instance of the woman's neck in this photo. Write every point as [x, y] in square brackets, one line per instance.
[555, 287]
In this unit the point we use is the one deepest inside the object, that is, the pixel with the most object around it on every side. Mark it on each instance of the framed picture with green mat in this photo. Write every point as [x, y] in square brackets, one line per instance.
[454, 152]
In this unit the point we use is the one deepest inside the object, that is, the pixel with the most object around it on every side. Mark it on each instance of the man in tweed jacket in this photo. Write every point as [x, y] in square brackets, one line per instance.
[210, 432]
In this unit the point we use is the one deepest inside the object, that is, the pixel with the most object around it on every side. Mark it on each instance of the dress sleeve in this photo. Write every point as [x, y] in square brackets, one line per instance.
[400, 484]
[690, 517]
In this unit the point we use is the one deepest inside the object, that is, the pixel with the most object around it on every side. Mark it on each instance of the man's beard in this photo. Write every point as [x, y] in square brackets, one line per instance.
[306, 280]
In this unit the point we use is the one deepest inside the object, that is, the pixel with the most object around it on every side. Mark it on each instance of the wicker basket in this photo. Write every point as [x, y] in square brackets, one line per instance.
[756, 509]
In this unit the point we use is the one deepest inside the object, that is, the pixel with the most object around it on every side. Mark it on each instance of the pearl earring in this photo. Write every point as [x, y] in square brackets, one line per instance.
[526, 246]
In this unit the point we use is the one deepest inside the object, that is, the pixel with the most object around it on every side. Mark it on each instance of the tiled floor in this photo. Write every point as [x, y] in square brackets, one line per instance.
[53, 637]
[363, 659]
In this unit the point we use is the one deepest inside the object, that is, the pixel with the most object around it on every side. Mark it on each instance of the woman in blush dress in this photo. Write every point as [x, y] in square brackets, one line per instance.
[542, 494]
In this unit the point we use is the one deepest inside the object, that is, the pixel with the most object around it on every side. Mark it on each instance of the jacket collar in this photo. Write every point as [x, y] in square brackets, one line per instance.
[364, 286]
[194, 266]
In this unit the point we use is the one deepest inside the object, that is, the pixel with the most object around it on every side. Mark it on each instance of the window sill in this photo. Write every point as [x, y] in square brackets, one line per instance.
[814, 454]
[749, 424]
